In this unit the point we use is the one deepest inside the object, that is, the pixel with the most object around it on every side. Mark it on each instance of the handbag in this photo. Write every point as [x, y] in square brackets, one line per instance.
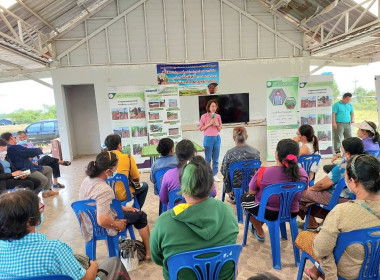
[131, 252]
[84, 261]
[135, 185]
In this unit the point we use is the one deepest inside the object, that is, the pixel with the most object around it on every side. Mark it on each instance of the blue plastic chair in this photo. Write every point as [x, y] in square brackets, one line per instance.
[158, 176]
[286, 192]
[204, 268]
[98, 232]
[246, 168]
[306, 162]
[123, 179]
[175, 197]
[374, 153]
[370, 266]
[333, 201]
[44, 277]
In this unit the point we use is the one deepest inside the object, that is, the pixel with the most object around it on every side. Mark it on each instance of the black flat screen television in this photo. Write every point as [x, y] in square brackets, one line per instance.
[233, 108]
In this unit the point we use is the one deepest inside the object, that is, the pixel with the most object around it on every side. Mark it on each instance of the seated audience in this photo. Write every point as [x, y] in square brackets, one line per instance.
[128, 167]
[242, 151]
[22, 139]
[20, 157]
[308, 145]
[8, 172]
[362, 177]
[185, 151]
[25, 252]
[368, 133]
[286, 170]
[322, 190]
[94, 187]
[167, 159]
[201, 222]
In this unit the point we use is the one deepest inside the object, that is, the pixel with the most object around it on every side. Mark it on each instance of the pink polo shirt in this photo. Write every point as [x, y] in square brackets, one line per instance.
[211, 130]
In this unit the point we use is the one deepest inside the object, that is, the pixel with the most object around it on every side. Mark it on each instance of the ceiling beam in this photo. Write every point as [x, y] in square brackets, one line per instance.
[38, 80]
[100, 29]
[37, 15]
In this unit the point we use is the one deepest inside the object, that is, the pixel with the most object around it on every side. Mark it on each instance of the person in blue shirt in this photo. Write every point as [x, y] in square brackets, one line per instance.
[167, 160]
[277, 99]
[368, 133]
[342, 117]
[20, 157]
[25, 252]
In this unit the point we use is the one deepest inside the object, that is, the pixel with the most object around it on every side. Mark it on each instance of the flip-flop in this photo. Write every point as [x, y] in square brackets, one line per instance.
[66, 163]
[306, 272]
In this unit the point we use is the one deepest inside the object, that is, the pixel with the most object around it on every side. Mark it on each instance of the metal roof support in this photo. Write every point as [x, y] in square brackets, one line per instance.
[320, 67]
[100, 29]
[146, 33]
[184, 27]
[165, 29]
[203, 30]
[127, 38]
[361, 16]
[37, 15]
[38, 80]
[222, 27]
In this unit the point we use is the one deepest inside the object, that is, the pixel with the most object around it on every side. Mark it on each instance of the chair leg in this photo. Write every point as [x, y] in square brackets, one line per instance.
[301, 267]
[160, 208]
[113, 246]
[307, 218]
[284, 234]
[294, 232]
[274, 234]
[223, 192]
[131, 232]
[91, 249]
[239, 209]
[246, 229]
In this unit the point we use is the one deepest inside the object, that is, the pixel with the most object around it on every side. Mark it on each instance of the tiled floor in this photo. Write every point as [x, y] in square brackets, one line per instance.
[60, 223]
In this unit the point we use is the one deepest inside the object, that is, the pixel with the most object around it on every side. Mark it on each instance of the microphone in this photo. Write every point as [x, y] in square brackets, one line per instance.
[213, 115]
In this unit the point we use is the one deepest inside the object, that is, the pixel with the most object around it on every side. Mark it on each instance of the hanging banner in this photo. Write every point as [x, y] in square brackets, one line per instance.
[282, 116]
[127, 105]
[192, 79]
[316, 99]
[163, 113]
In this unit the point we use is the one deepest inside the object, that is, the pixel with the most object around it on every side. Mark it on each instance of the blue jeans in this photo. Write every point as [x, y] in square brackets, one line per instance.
[212, 149]
[141, 194]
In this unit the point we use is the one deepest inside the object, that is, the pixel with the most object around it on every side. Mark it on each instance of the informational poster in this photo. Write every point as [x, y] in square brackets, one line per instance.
[282, 116]
[192, 79]
[316, 99]
[163, 113]
[127, 105]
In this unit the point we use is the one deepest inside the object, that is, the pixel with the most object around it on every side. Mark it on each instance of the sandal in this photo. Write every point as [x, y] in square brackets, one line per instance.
[66, 163]
[59, 186]
[258, 237]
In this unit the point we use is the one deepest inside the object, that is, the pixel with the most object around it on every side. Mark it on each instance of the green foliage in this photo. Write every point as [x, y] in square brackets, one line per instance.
[29, 116]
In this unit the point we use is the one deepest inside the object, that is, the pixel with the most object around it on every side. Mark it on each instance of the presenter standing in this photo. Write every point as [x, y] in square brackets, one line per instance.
[342, 117]
[210, 125]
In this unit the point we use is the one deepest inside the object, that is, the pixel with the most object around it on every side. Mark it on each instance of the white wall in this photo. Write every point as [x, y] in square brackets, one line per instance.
[235, 76]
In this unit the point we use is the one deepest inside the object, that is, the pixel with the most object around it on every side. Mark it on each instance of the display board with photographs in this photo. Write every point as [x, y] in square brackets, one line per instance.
[316, 99]
[163, 113]
[282, 107]
[129, 120]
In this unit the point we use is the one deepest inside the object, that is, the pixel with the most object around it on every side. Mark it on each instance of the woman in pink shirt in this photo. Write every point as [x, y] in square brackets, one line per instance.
[211, 124]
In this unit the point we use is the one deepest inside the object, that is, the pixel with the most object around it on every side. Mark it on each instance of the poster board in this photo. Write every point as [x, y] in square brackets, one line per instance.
[127, 106]
[163, 113]
[282, 112]
[315, 97]
[192, 79]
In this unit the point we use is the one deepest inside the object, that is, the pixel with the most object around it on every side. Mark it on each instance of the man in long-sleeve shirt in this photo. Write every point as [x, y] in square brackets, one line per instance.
[20, 157]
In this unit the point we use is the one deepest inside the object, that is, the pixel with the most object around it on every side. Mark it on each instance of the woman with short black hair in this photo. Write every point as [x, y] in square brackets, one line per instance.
[25, 252]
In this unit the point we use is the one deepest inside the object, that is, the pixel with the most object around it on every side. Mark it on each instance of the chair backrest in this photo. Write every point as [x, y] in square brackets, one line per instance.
[158, 176]
[121, 178]
[307, 161]
[47, 277]
[175, 197]
[336, 194]
[44, 277]
[374, 153]
[286, 193]
[205, 268]
[89, 208]
[246, 168]
[371, 245]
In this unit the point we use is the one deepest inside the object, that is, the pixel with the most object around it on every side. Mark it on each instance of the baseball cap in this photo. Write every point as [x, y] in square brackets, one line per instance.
[364, 126]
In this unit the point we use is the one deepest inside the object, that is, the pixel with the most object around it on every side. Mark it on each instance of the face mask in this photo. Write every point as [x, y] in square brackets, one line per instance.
[113, 175]
[348, 186]
[42, 219]
[341, 154]
[23, 142]
[3, 155]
